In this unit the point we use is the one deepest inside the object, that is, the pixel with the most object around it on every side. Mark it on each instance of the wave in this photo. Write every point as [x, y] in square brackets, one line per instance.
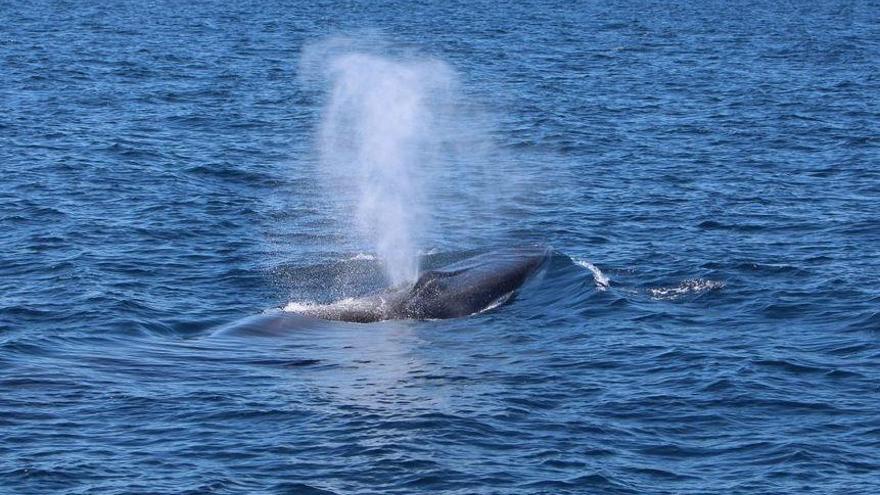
[602, 280]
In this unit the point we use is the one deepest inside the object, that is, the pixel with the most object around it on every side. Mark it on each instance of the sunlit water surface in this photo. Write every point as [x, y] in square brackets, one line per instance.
[707, 176]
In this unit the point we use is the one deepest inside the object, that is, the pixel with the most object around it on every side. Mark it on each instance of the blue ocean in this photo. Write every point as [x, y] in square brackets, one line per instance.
[703, 178]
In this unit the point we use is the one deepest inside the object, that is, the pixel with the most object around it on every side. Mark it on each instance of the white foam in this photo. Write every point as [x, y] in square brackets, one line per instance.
[346, 304]
[299, 306]
[694, 286]
[362, 257]
[602, 280]
[378, 128]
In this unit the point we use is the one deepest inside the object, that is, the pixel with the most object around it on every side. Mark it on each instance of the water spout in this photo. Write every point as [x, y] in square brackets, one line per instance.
[378, 129]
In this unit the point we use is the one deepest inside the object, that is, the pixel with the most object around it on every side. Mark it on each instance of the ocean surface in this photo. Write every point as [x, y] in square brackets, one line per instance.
[707, 175]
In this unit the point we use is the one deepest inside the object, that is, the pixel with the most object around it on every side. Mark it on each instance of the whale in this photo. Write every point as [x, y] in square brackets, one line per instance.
[462, 288]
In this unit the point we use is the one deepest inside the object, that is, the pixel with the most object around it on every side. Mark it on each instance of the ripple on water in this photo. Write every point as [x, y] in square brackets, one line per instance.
[715, 328]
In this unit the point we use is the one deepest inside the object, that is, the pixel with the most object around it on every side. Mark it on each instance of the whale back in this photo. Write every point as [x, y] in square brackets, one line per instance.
[459, 289]
[469, 286]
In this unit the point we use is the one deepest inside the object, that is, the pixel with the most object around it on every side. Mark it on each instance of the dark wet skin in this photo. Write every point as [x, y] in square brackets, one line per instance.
[456, 290]
[460, 289]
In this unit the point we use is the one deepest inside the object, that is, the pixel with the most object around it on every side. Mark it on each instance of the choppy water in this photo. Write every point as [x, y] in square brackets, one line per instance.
[708, 178]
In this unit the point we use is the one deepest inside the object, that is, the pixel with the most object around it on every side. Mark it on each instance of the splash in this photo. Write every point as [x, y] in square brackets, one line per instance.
[378, 131]
[693, 286]
[602, 280]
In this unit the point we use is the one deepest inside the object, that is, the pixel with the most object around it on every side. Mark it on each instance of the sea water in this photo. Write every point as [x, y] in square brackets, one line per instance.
[706, 174]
